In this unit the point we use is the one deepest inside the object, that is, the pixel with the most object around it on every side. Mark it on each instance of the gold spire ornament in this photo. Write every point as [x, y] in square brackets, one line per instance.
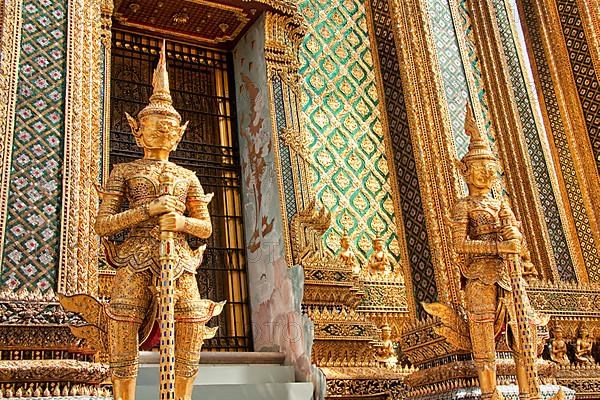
[155, 284]
[161, 104]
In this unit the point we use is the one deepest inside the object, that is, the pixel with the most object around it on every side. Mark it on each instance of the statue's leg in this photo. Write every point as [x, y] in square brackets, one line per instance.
[522, 378]
[189, 330]
[481, 309]
[130, 299]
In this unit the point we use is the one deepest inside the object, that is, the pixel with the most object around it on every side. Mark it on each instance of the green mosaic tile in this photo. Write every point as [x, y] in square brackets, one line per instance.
[31, 239]
[346, 142]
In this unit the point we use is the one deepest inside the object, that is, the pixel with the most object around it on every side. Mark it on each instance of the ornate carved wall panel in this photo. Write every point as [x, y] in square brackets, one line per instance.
[426, 188]
[565, 121]
[32, 231]
[349, 169]
[421, 266]
[49, 198]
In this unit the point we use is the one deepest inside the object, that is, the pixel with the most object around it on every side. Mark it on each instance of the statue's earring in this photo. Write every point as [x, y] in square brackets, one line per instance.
[135, 129]
[461, 166]
[181, 132]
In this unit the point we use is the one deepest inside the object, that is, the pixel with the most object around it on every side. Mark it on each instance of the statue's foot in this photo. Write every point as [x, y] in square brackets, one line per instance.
[123, 388]
[184, 387]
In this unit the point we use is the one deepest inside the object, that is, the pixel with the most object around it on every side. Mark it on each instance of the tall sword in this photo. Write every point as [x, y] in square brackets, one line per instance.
[526, 339]
[167, 300]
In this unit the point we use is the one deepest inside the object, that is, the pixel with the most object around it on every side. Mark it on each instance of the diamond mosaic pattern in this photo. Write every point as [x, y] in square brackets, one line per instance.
[582, 223]
[349, 170]
[586, 77]
[284, 153]
[423, 278]
[33, 217]
[534, 148]
[451, 69]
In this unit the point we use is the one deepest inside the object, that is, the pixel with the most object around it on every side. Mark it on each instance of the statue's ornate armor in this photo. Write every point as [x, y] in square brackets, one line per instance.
[476, 234]
[132, 308]
[137, 182]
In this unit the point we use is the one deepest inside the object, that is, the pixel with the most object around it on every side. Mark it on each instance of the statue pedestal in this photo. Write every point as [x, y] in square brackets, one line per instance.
[510, 392]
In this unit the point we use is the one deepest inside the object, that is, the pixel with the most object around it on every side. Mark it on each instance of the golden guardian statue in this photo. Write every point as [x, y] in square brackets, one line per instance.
[155, 280]
[489, 245]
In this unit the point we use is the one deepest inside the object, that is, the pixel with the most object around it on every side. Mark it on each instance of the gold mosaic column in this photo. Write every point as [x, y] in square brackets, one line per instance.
[79, 243]
[431, 135]
[520, 182]
[564, 46]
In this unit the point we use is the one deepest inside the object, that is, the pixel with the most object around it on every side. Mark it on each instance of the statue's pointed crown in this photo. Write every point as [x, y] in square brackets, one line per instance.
[160, 101]
[478, 145]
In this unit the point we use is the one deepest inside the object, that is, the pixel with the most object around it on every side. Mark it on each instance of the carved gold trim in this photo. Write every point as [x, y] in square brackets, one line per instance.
[106, 9]
[283, 35]
[79, 243]
[572, 118]
[430, 132]
[507, 124]
[405, 259]
[9, 78]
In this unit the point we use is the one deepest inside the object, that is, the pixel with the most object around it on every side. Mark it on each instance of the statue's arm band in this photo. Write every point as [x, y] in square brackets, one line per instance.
[478, 247]
[109, 222]
[198, 223]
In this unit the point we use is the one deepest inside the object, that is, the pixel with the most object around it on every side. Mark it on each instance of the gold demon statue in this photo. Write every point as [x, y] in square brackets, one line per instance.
[118, 328]
[487, 239]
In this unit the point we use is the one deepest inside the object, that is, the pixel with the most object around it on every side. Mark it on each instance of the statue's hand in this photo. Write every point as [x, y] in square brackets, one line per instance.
[511, 232]
[512, 246]
[162, 205]
[171, 221]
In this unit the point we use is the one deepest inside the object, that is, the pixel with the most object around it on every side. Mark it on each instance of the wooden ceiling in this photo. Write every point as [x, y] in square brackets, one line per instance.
[216, 24]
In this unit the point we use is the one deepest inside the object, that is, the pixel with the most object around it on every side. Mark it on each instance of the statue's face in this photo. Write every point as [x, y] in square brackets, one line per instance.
[584, 333]
[378, 245]
[159, 132]
[481, 174]
[558, 334]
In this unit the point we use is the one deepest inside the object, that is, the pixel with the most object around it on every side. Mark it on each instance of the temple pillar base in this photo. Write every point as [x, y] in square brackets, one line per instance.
[509, 392]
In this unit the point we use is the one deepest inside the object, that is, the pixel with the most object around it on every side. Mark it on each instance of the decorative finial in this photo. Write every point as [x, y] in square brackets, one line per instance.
[161, 101]
[478, 145]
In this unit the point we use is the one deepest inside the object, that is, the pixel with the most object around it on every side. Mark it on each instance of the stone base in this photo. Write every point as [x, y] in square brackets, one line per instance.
[510, 392]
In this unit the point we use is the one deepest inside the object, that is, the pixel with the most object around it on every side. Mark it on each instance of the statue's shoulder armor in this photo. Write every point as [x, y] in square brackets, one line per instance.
[184, 172]
[461, 208]
[126, 166]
